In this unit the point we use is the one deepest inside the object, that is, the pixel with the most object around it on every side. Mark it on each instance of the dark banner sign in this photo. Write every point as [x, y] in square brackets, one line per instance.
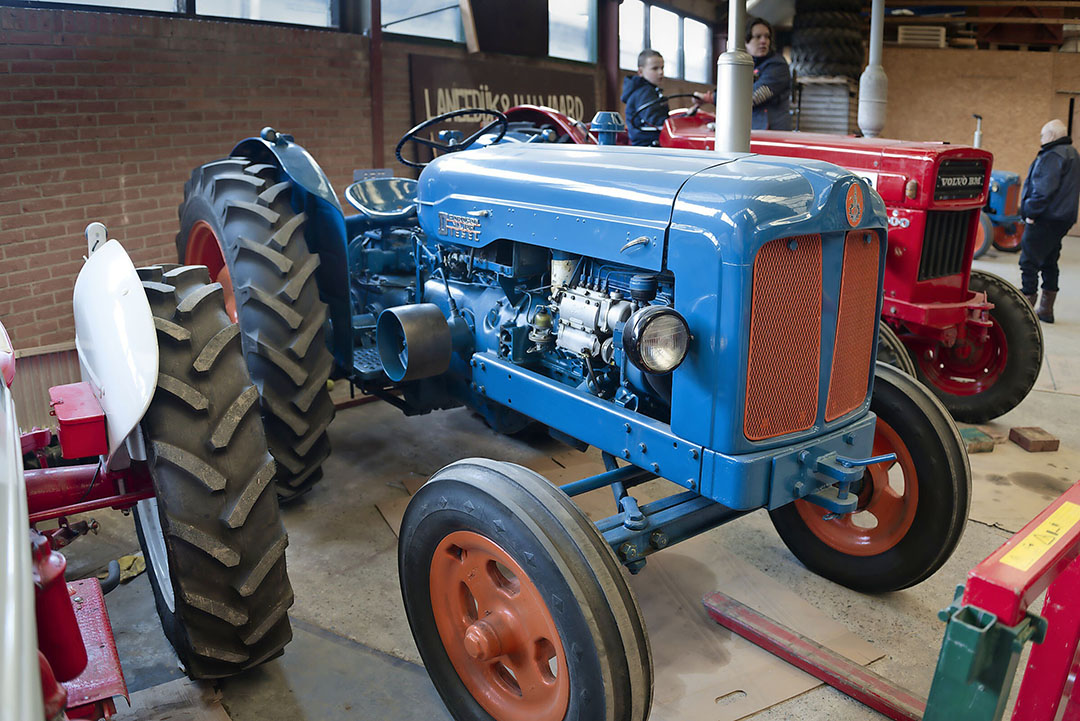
[440, 85]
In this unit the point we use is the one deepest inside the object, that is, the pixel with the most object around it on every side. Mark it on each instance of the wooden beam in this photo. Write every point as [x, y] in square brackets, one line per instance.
[978, 20]
[468, 22]
[375, 55]
[982, 3]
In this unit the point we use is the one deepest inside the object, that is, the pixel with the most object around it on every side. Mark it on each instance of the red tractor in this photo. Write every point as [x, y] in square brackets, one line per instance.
[969, 335]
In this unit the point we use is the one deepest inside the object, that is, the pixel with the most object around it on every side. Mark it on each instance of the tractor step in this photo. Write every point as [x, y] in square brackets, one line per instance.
[90, 695]
[366, 364]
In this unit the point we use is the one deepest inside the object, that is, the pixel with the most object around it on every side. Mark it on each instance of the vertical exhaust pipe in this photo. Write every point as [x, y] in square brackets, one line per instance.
[873, 84]
[734, 86]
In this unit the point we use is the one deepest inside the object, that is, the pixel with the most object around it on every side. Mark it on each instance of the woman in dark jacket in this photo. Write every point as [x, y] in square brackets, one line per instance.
[772, 80]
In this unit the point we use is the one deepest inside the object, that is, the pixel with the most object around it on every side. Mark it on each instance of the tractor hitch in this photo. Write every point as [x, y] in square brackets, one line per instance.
[837, 498]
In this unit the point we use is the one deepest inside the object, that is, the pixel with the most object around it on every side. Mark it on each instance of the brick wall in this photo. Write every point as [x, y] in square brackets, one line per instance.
[397, 107]
[103, 116]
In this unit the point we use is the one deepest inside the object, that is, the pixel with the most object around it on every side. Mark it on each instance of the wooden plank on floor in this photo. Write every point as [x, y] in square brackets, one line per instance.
[178, 700]
[976, 441]
[1033, 439]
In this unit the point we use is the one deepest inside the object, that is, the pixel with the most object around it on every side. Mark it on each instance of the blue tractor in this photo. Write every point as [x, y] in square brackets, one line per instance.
[705, 318]
[1000, 224]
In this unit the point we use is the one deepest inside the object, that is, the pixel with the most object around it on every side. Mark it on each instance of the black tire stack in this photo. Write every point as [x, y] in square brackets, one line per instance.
[828, 39]
[213, 540]
[282, 319]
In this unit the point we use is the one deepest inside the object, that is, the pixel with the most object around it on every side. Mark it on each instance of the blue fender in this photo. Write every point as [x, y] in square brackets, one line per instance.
[324, 230]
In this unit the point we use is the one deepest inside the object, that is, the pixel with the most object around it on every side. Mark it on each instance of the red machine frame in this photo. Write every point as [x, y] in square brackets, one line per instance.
[80, 666]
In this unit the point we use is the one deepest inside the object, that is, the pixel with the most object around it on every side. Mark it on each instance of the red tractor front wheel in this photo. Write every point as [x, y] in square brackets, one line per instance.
[978, 382]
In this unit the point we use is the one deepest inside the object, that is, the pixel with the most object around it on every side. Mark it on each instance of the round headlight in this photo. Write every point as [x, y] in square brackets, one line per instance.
[656, 339]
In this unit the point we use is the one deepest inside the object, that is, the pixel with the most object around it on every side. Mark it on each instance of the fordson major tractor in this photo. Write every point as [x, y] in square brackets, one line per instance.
[705, 318]
[1000, 224]
[1002, 212]
[165, 424]
[969, 335]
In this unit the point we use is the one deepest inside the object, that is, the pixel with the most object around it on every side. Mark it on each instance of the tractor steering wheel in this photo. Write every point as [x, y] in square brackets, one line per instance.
[663, 99]
[414, 134]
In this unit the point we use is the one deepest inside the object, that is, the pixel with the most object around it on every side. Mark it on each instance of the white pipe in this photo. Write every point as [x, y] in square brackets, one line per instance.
[734, 86]
[873, 84]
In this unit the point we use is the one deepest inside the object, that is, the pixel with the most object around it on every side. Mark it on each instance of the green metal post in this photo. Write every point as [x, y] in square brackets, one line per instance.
[977, 663]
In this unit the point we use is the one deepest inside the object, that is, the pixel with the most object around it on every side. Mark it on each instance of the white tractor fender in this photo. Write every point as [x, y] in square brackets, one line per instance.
[116, 340]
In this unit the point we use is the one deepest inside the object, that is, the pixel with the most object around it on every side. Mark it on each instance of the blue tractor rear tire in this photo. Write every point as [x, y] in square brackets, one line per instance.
[244, 210]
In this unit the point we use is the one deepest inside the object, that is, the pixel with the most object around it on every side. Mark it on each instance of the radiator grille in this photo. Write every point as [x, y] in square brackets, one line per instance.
[785, 338]
[943, 243]
[1012, 200]
[856, 324]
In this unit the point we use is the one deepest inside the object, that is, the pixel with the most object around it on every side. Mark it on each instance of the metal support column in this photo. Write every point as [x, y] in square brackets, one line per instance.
[608, 50]
[375, 58]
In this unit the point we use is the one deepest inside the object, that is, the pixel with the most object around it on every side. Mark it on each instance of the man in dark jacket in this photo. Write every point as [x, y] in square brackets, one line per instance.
[640, 90]
[1049, 206]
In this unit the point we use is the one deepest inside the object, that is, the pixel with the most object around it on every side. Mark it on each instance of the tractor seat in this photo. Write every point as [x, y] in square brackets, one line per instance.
[384, 200]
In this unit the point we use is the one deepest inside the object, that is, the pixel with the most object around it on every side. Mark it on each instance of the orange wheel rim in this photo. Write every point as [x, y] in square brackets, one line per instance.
[497, 630]
[204, 248]
[887, 503]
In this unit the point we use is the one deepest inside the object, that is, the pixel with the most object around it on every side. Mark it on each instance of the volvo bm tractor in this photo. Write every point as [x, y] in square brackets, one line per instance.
[705, 318]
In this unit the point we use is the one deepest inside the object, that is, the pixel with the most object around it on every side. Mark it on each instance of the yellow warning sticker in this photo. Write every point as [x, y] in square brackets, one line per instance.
[1034, 546]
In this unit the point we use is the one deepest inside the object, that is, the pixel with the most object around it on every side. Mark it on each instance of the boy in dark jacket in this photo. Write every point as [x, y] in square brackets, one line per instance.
[640, 90]
[1049, 206]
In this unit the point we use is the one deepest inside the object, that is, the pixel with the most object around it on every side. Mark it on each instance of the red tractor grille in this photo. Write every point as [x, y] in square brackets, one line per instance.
[856, 324]
[785, 338]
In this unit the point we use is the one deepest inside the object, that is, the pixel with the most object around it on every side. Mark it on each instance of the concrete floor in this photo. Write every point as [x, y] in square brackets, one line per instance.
[353, 657]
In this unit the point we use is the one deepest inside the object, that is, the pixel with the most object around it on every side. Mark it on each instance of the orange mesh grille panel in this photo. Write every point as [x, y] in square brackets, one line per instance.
[785, 338]
[856, 324]
[1012, 199]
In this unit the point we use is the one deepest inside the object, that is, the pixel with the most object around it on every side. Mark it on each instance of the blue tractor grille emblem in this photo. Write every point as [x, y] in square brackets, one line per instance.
[459, 226]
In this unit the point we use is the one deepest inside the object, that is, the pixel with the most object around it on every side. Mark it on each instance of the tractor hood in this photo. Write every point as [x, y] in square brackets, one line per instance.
[618, 203]
[947, 177]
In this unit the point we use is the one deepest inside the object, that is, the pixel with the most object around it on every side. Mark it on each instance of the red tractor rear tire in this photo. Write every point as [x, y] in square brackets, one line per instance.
[984, 236]
[892, 350]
